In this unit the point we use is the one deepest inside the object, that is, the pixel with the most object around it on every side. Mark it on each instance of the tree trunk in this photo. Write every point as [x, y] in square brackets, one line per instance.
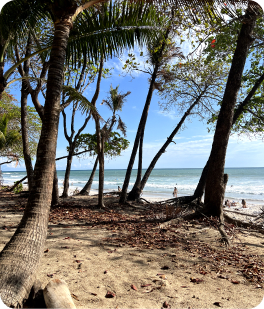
[100, 152]
[24, 122]
[134, 194]
[20, 256]
[213, 195]
[143, 119]
[67, 173]
[87, 188]
[55, 190]
[141, 128]
[3, 82]
[164, 147]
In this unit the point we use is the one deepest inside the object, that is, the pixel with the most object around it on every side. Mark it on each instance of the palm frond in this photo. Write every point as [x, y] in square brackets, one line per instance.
[121, 126]
[109, 29]
[75, 96]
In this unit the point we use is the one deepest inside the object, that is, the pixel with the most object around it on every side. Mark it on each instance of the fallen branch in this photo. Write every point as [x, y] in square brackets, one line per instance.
[239, 223]
[240, 213]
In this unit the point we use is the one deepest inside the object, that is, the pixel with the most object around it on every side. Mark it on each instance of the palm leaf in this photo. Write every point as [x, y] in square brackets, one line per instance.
[75, 96]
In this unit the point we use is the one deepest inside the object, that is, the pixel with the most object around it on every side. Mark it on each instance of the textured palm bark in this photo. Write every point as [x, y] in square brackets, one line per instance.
[213, 192]
[67, 173]
[87, 188]
[20, 257]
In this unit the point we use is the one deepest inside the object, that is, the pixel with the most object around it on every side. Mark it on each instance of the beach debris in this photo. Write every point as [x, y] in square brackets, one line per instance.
[109, 294]
[145, 285]
[133, 287]
[165, 267]
[94, 294]
[218, 304]
[47, 250]
[166, 305]
[196, 280]
[105, 272]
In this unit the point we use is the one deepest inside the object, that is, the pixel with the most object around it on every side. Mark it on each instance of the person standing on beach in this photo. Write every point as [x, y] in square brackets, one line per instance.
[175, 192]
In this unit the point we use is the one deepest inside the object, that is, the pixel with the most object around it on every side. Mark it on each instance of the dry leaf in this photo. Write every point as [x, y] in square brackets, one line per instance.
[145, 285]
[47, 250]
[94, 294]
[105, 272]
[166, 305]
[75, 297]
[163, 277]
[218, 304]
[133, 287]
[235, 281]
[109, 294]
[50, 275]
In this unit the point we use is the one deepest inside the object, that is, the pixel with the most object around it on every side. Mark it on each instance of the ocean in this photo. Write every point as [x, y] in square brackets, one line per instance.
[244, 183]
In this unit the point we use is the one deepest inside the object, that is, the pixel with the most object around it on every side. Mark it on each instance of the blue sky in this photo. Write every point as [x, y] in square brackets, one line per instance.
[193, 144]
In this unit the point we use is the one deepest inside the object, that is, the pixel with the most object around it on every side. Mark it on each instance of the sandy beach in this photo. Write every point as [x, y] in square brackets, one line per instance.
[120, 251]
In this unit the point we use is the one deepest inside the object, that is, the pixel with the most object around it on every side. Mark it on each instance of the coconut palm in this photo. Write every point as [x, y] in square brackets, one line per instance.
[20, 257]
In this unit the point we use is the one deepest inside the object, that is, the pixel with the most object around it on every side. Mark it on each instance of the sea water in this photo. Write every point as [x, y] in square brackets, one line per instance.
[243, 183]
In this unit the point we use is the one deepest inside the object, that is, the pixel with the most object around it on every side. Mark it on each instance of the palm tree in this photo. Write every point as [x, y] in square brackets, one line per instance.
[20, 257]
[115, 103]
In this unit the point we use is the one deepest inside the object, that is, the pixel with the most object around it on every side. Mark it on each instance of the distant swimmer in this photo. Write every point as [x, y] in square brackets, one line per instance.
[244, 204]
[119, 189]
[175, 192]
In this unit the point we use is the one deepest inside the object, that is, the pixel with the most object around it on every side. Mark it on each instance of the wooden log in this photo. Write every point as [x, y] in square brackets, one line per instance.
[57, 295]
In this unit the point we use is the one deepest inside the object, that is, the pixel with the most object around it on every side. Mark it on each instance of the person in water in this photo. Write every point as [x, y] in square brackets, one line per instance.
[175, 192]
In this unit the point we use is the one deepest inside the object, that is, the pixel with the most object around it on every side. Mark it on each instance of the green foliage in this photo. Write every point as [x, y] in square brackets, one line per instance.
[18, 188]
[112, 148]
[10, 116]
[252, 118]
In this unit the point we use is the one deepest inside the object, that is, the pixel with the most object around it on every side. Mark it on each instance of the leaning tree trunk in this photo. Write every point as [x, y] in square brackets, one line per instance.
[213, 193]
[135, 192]
[87, 188]
[20, 256]
[141, 128]
[163, 149]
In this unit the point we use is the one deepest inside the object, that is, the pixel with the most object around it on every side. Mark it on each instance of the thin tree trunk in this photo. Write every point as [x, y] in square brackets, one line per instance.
[134, 194]
[141, 127]
[55, 190]
[67, 173]
[143, 120]
[87, 188]
[163, 149]
[100, 152]
[20, 256]
[24, 119]
[215, 176]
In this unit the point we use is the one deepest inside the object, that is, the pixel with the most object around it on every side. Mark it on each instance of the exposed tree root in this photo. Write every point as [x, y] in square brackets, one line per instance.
[246, 225]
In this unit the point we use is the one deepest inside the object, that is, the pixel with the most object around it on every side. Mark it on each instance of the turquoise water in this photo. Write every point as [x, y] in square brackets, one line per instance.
[244, 183]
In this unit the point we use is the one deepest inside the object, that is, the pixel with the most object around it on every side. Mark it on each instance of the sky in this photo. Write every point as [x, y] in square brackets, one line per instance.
[193, 144]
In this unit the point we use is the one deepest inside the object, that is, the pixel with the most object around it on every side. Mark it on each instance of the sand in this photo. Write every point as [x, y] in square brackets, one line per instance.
[143, 266]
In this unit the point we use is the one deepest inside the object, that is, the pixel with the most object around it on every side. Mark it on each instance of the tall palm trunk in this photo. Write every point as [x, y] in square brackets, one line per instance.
[215, 178]
[20, 257]
[87, 188]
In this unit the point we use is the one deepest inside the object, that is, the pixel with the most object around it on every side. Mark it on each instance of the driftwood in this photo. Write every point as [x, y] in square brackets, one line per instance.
[57, 295]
